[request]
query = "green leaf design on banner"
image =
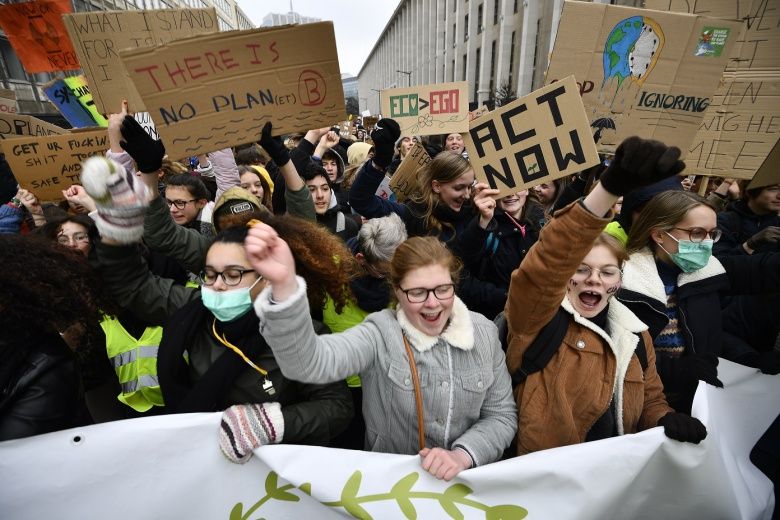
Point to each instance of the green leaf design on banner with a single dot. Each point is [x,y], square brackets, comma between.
[274,491]
[306,488]
[506,512]
[401,492]
[349,500]
[237,512]
[453,494]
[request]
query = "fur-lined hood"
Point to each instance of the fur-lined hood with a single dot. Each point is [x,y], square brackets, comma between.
[640,275]
[459,332]
[623,339]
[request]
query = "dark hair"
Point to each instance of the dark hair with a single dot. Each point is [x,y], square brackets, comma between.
[313,170]
[46,289]
[193,184]
[321,257]
[53,226]
[250,155]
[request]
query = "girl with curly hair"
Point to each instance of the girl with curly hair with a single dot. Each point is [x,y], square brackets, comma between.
[46,289]
[213,355]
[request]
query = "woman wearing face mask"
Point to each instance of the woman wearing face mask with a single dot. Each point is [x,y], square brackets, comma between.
[441,208]
[674,284]
[428,363]
[594,384]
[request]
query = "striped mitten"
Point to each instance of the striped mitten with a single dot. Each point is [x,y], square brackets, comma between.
[120,197]
[245,427]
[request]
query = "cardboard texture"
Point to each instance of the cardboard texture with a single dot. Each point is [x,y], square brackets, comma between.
[769,172]
[38,36]
[8,106]
[640,72]
[47,165]
[538,138]
[442,108]
[17,124]
[742,123]
[98,36]
[73,99]
[404,180]
[210,92]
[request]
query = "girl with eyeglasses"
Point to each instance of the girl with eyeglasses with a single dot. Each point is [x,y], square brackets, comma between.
[582,362]
[433,373]
[675,285]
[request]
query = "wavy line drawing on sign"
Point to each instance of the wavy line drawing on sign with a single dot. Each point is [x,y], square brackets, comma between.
[631,52]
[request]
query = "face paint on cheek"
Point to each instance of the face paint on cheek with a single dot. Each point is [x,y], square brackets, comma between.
[613,289]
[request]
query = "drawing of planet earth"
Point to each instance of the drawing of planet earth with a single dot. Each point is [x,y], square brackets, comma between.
[632,50]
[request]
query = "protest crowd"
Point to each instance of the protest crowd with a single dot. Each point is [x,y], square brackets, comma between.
[282,283]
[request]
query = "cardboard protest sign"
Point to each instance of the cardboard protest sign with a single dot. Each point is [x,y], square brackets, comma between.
[17,124]
[742,123]
[8,105]
[73,99]
[769,172]
[145,120]
[404,180]
[479,112]
[640,72]
[442,108]
[38,36]
[538,138]
[98,36]
[210,92]
[47,165]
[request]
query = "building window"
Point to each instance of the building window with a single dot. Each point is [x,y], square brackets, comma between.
[495,11]
[480,10]
[536,51]
[512,57]
[464,68]
[454,32]
[477,60]
[452,71]
[466,29]
[515,8]
[12,63]
[492,68]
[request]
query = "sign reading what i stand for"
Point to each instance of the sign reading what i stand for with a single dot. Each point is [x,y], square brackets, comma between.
[213,91]
[537,138]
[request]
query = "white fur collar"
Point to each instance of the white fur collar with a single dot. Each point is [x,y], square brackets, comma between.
[640,274]
[459,332]
[623,325]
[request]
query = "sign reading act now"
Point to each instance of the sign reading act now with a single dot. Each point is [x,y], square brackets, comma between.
[537,138]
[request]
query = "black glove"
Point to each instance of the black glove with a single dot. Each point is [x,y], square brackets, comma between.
[147,153]
[683,428]
[766,362]
[274,146]
[640,162]
[768,235]
[703,367]
[386,132]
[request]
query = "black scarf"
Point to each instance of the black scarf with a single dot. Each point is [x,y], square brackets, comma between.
[188,325]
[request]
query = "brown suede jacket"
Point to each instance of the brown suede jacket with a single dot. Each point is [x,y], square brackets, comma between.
[558,405]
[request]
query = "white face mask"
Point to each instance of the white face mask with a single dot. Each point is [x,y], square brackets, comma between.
[228,305]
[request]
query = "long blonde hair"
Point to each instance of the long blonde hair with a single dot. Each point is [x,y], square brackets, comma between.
[445,167]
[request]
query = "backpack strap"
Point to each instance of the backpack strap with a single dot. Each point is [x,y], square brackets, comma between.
[543,347]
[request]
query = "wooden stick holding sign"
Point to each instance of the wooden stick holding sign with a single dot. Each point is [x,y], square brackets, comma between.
[214,91]
[404,180]
[49,164]
[537,138]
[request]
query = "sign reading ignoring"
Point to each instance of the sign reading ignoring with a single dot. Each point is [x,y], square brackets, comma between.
[47,165]
[99,36]
[404,180]
[442,108]
[210,92]
[538,138]
[645,73]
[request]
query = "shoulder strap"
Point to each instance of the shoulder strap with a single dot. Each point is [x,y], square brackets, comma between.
[417,394]
[541,350]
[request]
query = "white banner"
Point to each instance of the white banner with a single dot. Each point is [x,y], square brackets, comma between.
[171,467]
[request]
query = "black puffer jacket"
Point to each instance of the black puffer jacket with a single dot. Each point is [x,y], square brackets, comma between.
[42,392]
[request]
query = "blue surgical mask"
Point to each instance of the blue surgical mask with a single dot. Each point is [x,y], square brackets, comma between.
[228,305]
[691,256]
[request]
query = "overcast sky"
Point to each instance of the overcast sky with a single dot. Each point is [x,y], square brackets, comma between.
[358,23]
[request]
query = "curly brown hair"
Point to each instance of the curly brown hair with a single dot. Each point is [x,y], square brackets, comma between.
[46,288]
[321,258]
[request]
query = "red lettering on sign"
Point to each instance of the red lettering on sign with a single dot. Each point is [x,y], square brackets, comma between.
[311,88]
[228,60]
[149,69]
[444,101]
[193,63]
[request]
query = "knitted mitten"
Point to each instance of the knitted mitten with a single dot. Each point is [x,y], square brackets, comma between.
[245,427]
[120,197]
